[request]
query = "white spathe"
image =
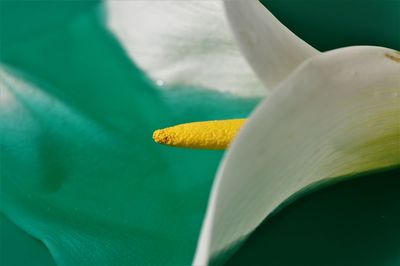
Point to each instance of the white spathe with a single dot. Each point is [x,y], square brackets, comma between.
[271,49]
[338,114]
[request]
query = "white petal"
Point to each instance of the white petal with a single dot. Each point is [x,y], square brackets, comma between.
[338,114]
[272,50]
[185,43]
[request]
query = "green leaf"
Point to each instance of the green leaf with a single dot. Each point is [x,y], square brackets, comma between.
[80,171]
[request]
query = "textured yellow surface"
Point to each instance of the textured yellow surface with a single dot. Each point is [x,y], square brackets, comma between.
[212,135]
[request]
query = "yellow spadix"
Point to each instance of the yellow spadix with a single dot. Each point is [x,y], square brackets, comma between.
[212,135]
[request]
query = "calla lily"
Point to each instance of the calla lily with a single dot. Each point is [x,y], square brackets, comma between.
[341,112]
[109,195]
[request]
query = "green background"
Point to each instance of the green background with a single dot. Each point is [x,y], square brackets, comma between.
[62,47]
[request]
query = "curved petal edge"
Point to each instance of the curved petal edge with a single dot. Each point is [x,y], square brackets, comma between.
[271,49]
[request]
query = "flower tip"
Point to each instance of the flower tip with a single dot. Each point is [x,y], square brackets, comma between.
[161,136]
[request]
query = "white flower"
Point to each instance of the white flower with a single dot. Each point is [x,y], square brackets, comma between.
[330,115]
[79,168]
